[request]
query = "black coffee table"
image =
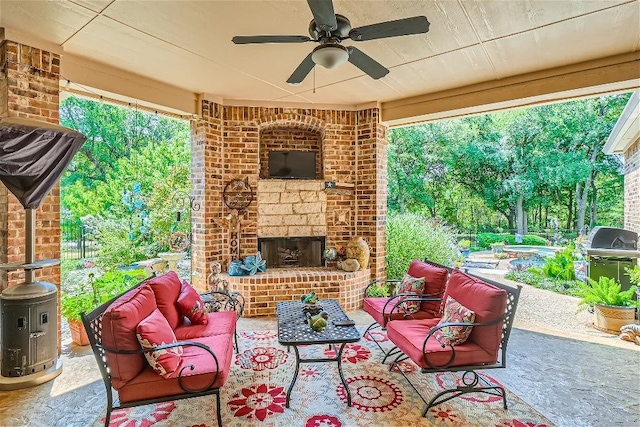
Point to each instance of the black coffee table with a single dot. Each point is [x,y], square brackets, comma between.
[294,330]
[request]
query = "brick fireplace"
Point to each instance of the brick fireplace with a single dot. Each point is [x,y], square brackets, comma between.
[349,149]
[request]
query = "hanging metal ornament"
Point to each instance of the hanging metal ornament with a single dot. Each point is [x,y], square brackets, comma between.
[237,196]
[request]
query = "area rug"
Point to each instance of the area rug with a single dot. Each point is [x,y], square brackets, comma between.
[255,393]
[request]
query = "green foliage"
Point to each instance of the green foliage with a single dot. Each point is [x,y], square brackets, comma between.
[483,172]
[485,240]
[464,244]
[569,287]
[606,291]
[634,274]
[130,179]
[381,289]
[560,266]
[97,290]
[413,236]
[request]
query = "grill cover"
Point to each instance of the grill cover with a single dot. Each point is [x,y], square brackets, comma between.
[33,155]
[613,238]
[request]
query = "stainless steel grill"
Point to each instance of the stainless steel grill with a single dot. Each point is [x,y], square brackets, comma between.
[610,251]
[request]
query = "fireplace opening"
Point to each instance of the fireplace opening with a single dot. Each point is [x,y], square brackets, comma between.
[292,251]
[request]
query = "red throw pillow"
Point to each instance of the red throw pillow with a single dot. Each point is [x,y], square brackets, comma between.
[454,312]
[152,331]
[191,305]
[414,286]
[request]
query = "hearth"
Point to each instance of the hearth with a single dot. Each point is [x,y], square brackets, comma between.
[292,251]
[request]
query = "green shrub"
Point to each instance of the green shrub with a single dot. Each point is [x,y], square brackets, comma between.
[560,266]
[96,290]
[485,240]
[414,236]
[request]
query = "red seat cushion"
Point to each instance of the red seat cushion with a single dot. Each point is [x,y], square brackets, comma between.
[166,289]
[409,336]
[486,301]
[148,384]
[153,331]
[219,323]
[119,323]
[374,307]
[435,280]
[191,305]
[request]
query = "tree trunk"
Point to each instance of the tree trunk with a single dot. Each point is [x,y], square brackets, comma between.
[582,192]
[594,206]
[570,209]
[520,221]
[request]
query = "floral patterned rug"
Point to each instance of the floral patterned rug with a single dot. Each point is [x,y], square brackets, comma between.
[255,393]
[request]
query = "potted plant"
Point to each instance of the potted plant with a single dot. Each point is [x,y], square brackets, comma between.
[464,246]
[613,308]
[91,294]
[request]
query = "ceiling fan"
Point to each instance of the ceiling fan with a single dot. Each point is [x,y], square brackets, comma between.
[329,30]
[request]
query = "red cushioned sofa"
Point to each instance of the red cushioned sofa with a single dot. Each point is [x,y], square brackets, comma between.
[199,354]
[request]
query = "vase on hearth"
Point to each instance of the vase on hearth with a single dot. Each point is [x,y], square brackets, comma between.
[359,250]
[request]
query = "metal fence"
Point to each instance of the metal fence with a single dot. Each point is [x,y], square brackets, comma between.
[77,242]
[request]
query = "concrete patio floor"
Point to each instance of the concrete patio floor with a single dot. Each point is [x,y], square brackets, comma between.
[571,373]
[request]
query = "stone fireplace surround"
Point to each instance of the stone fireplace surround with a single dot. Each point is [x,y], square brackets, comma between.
[228,143]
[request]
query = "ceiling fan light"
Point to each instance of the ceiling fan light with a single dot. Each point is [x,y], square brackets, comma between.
[330,56]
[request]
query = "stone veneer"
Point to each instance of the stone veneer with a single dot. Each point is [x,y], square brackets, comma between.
[29,88]
[264,290]
[291,208]
[632,188]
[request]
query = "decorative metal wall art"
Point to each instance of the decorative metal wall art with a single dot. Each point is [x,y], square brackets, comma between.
[237,196]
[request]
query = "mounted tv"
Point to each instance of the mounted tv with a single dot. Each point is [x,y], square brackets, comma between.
[292,164]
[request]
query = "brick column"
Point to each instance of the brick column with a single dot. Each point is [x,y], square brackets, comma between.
[29,88]
[206,186]
[371,187]
[632,188]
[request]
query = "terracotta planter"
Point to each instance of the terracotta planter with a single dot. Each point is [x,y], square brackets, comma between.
[610,318]
[78,333]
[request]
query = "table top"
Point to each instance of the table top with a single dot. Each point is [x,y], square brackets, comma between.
[294,329]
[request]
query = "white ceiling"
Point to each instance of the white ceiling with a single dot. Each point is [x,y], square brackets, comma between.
[187,44]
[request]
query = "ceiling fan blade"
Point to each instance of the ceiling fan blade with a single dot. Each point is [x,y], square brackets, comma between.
[366,63]
[270,39]
[400,27]
[302,71]
[323,14]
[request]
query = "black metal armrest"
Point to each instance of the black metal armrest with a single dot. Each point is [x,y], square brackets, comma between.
[173,345]
[452,346]
[222,301]
[378,281]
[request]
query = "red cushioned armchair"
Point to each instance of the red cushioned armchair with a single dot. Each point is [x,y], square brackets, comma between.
[383,309]
[494,305]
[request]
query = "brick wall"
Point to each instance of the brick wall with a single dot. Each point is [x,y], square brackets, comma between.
[29,88]
[264,291]
[289,139]
[353,152]
[632,188]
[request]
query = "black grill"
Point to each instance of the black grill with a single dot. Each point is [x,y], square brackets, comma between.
[610,252]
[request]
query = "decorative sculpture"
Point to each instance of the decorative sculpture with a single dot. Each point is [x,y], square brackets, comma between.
[350,265]
[215,283]
[255,264]
[359,250]
[319,321]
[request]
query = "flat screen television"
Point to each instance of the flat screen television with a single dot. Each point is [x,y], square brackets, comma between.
[292,164]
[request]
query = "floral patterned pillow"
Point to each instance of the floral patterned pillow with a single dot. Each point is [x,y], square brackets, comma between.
[191,305]
[454,312]
[414,286]
[153,331]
